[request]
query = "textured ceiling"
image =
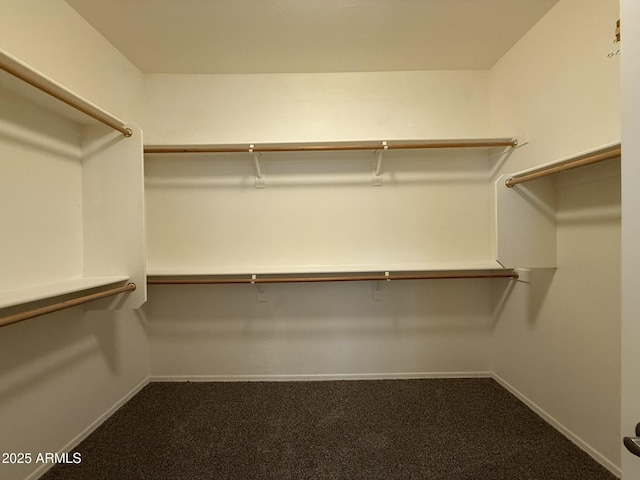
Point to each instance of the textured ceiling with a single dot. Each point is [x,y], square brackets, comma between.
[270,36]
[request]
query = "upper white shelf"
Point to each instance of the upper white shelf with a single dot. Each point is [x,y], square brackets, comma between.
[599,154]
[19,296]
[502,142]
[376,146]
[526,230]
[25,81]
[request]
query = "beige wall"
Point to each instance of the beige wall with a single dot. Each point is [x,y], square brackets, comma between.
[62,373]
[319,331]
[52,38]
[318,213]
[556,88]
[201,109]
[557,340]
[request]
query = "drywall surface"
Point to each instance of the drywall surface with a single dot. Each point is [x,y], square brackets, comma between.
[61,373]
[43,148]
[557,340]
[308,331]
[630,12]
[204,109]
[557,88]
[317,212]
[52,38]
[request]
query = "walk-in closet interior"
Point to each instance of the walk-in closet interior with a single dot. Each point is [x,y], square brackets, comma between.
[290,191]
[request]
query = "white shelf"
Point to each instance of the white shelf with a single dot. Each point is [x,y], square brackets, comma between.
[609,147]
[358,276]
[377,149]
[19,296]
[85,223]
[323,269]
[25,81]
[526,211]
[497,142]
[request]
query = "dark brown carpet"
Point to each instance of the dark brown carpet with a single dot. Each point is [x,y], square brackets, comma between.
[442,429]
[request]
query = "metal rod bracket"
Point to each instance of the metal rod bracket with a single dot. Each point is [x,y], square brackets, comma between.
[256,159]
[261,295]
[524,275]
[377,287]
[377,175]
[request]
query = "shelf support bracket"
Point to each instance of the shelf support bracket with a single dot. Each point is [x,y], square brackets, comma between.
[377,287]
[377,175]
[256,159]
[261,296]
[524,275]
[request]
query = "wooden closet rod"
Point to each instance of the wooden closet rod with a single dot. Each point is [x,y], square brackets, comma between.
[342,278]
[334,147]
[551,169]
[34,78]
[54,307]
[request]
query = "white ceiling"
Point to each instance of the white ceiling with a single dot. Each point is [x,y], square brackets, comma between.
[269,36]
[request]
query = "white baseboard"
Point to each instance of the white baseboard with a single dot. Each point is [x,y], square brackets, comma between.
[597,456]
[316,377]
[87,431]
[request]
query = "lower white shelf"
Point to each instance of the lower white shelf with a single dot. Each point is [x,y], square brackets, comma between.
[319,269]
[185,278]
[19,296]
